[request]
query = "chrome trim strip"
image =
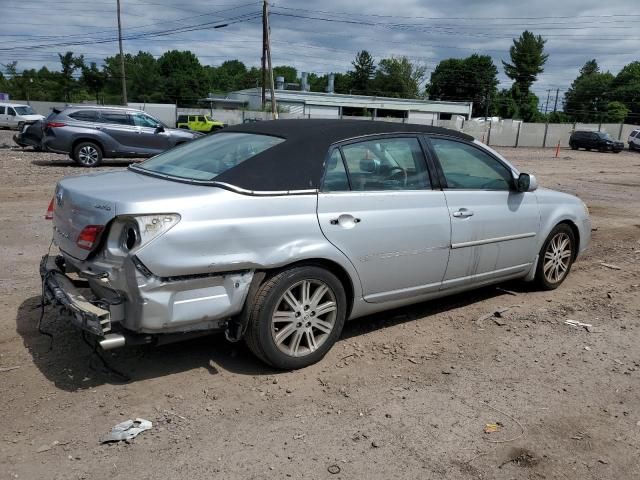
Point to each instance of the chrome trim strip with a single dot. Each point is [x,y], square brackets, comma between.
[226,186]
[493,240]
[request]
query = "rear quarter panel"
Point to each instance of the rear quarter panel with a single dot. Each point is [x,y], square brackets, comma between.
[226,231]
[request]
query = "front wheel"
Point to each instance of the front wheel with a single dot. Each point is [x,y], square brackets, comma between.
[556,257]
[296,317]
[573,146]
[87,154]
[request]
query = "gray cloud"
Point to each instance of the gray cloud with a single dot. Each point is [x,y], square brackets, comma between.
[426,32]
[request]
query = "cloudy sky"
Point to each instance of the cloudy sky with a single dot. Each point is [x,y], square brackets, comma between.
[323,35]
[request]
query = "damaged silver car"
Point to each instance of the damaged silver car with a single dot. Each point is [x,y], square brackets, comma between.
[277,232]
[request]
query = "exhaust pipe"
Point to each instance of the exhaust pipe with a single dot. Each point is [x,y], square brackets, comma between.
[111,341]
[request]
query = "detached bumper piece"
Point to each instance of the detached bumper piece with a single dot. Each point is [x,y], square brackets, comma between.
[59,289]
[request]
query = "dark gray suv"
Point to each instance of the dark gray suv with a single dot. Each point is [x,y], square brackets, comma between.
[90,133]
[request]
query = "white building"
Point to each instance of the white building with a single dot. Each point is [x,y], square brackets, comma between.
[336,105]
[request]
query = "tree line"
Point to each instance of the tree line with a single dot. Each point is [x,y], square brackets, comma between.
[179,77]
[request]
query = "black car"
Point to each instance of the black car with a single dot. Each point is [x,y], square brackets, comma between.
[595,141]
[30,135]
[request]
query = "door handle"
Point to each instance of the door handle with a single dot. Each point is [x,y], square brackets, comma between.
[345,220]
[463,213]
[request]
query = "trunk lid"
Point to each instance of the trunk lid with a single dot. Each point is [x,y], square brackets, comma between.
[98,198]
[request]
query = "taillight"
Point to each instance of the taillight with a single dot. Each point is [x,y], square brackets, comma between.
[89,236]
[54,124]
[49,214]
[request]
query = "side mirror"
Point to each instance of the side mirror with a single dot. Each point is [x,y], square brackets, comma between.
[159,129]
[526,183]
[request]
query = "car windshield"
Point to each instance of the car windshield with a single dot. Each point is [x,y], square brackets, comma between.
[606,136]
[25,110]
[210,156]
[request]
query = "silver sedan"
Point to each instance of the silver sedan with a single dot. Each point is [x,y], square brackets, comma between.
[278,232]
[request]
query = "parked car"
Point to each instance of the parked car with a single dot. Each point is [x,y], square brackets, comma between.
[14,116]
[199,123]
[90,133]
[634,140]
[280,231]
[595,141]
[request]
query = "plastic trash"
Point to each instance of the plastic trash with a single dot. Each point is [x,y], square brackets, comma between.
[127,430]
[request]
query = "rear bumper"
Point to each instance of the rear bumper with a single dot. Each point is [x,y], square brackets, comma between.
[60,290]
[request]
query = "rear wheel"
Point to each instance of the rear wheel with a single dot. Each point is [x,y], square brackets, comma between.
[296,317]
[573,146]
[87,154]
[556,257]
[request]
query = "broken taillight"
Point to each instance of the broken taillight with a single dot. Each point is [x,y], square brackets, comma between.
[89,236]
[49,214]
[54,124]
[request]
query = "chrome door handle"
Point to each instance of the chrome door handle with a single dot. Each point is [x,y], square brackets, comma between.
[463,213]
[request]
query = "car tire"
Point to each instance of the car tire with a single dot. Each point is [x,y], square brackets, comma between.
[573,146]
[284,330]
[556,257]
[87,154]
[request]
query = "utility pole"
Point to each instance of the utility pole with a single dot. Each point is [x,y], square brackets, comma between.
[122,74]
[264,53]
[274,107]
[487,101]
[555,105]
[546,105]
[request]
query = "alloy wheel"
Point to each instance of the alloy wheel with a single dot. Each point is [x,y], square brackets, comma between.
[88,155]
[304,317]
[557,258]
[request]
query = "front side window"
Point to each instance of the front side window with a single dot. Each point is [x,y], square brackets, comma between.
[467,167]
[210,156]
[335,175]
[142,120]
[386,164]
[11,112]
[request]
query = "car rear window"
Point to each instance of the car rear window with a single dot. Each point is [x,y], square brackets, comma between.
[210,156]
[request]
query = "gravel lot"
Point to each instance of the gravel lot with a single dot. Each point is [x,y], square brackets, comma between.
[404,394]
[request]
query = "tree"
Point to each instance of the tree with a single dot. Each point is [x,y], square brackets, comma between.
[94,79]
[625,88]
[290,74]
[398,77]
[69,64]
[587,100]
[616,112]
[474,78]
[184,78]
[363,71]
[527,60]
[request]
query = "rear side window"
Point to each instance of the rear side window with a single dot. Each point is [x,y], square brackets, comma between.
[115,117]
[467,167]
[85,115]
[2,110]
[386,164]
[206,158]
[182,119]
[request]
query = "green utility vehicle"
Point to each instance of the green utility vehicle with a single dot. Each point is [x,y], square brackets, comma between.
[198,123]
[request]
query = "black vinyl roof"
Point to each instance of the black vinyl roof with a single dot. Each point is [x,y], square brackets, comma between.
[297,163]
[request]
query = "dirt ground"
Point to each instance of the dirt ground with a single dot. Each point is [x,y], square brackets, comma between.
[405,394]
